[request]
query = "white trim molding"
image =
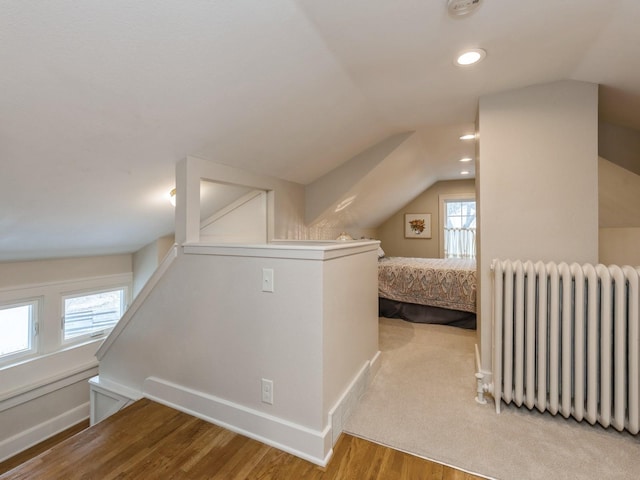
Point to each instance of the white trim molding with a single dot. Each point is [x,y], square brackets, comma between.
[38,433]
[138,301]
[31,392]
[343,409]
[312,445]
[290,437]
[108,397]
[291,249]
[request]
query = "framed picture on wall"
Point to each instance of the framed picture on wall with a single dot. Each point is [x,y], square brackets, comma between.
[417,225]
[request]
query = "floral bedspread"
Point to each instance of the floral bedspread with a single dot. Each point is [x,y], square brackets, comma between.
[437,282]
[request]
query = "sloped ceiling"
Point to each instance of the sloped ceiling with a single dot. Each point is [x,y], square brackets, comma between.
[99,100]
[366,190]
[620,145]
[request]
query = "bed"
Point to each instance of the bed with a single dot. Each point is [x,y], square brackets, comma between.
[428,290]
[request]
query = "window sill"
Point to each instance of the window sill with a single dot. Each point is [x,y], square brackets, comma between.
[42,374]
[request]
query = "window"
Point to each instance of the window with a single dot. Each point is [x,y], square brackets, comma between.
[458,223]
[50,329]
[92,314]
[18,324]
[461,214]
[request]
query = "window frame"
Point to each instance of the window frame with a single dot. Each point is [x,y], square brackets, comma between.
[34,327]
[100,335]
[452,197]
[50,311]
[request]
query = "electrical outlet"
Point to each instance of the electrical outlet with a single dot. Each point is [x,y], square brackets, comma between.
[267,391]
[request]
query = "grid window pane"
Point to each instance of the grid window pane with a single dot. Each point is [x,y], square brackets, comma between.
[460,229]
[453,208]
[16,325]
[92,314]
[461,214]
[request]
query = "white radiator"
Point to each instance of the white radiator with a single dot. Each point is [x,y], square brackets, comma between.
[566,340]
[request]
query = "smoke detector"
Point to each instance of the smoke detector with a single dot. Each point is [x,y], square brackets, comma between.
[458,8]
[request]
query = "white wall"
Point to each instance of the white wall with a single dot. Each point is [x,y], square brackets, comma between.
[619,214]
[146,260]
[620,246]
[619,196]
[164,245]
[350,322]
[332,233]
[244,221]
[285,200]
[46,415]
[366,190]
[391,232]
[537,180]
[620,145]
[44,395]
[209,331]
[322,195]
[14,274]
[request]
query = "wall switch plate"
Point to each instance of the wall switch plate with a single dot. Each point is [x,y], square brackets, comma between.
[267,279]
[267,391]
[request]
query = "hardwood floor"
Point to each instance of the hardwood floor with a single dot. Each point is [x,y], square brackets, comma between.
[150,441]
[41,447]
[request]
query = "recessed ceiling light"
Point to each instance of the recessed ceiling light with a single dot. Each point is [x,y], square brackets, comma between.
[470,57]
[464,172]
[468,136]
[466,159]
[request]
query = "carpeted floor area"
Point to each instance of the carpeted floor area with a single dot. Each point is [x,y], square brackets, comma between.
[422,401]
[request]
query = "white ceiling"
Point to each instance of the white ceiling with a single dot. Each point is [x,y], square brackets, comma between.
[99,100]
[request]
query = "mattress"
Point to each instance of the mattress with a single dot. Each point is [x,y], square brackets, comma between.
[446,283]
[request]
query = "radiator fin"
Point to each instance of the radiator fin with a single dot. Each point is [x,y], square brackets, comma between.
[567,340]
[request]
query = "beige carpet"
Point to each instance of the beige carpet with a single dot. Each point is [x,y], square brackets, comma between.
[422,401]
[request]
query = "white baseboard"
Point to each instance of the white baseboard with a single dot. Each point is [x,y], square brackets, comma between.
[38,433]
[343,408]
[301,441]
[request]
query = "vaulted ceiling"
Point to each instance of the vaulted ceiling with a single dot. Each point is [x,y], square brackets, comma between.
[99,100]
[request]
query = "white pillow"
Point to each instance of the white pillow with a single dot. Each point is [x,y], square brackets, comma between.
[380,252]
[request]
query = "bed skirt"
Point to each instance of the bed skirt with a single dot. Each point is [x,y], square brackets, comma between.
[425,314]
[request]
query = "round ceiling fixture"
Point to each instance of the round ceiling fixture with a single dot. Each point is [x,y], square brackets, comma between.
[470,57]
[458,8]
